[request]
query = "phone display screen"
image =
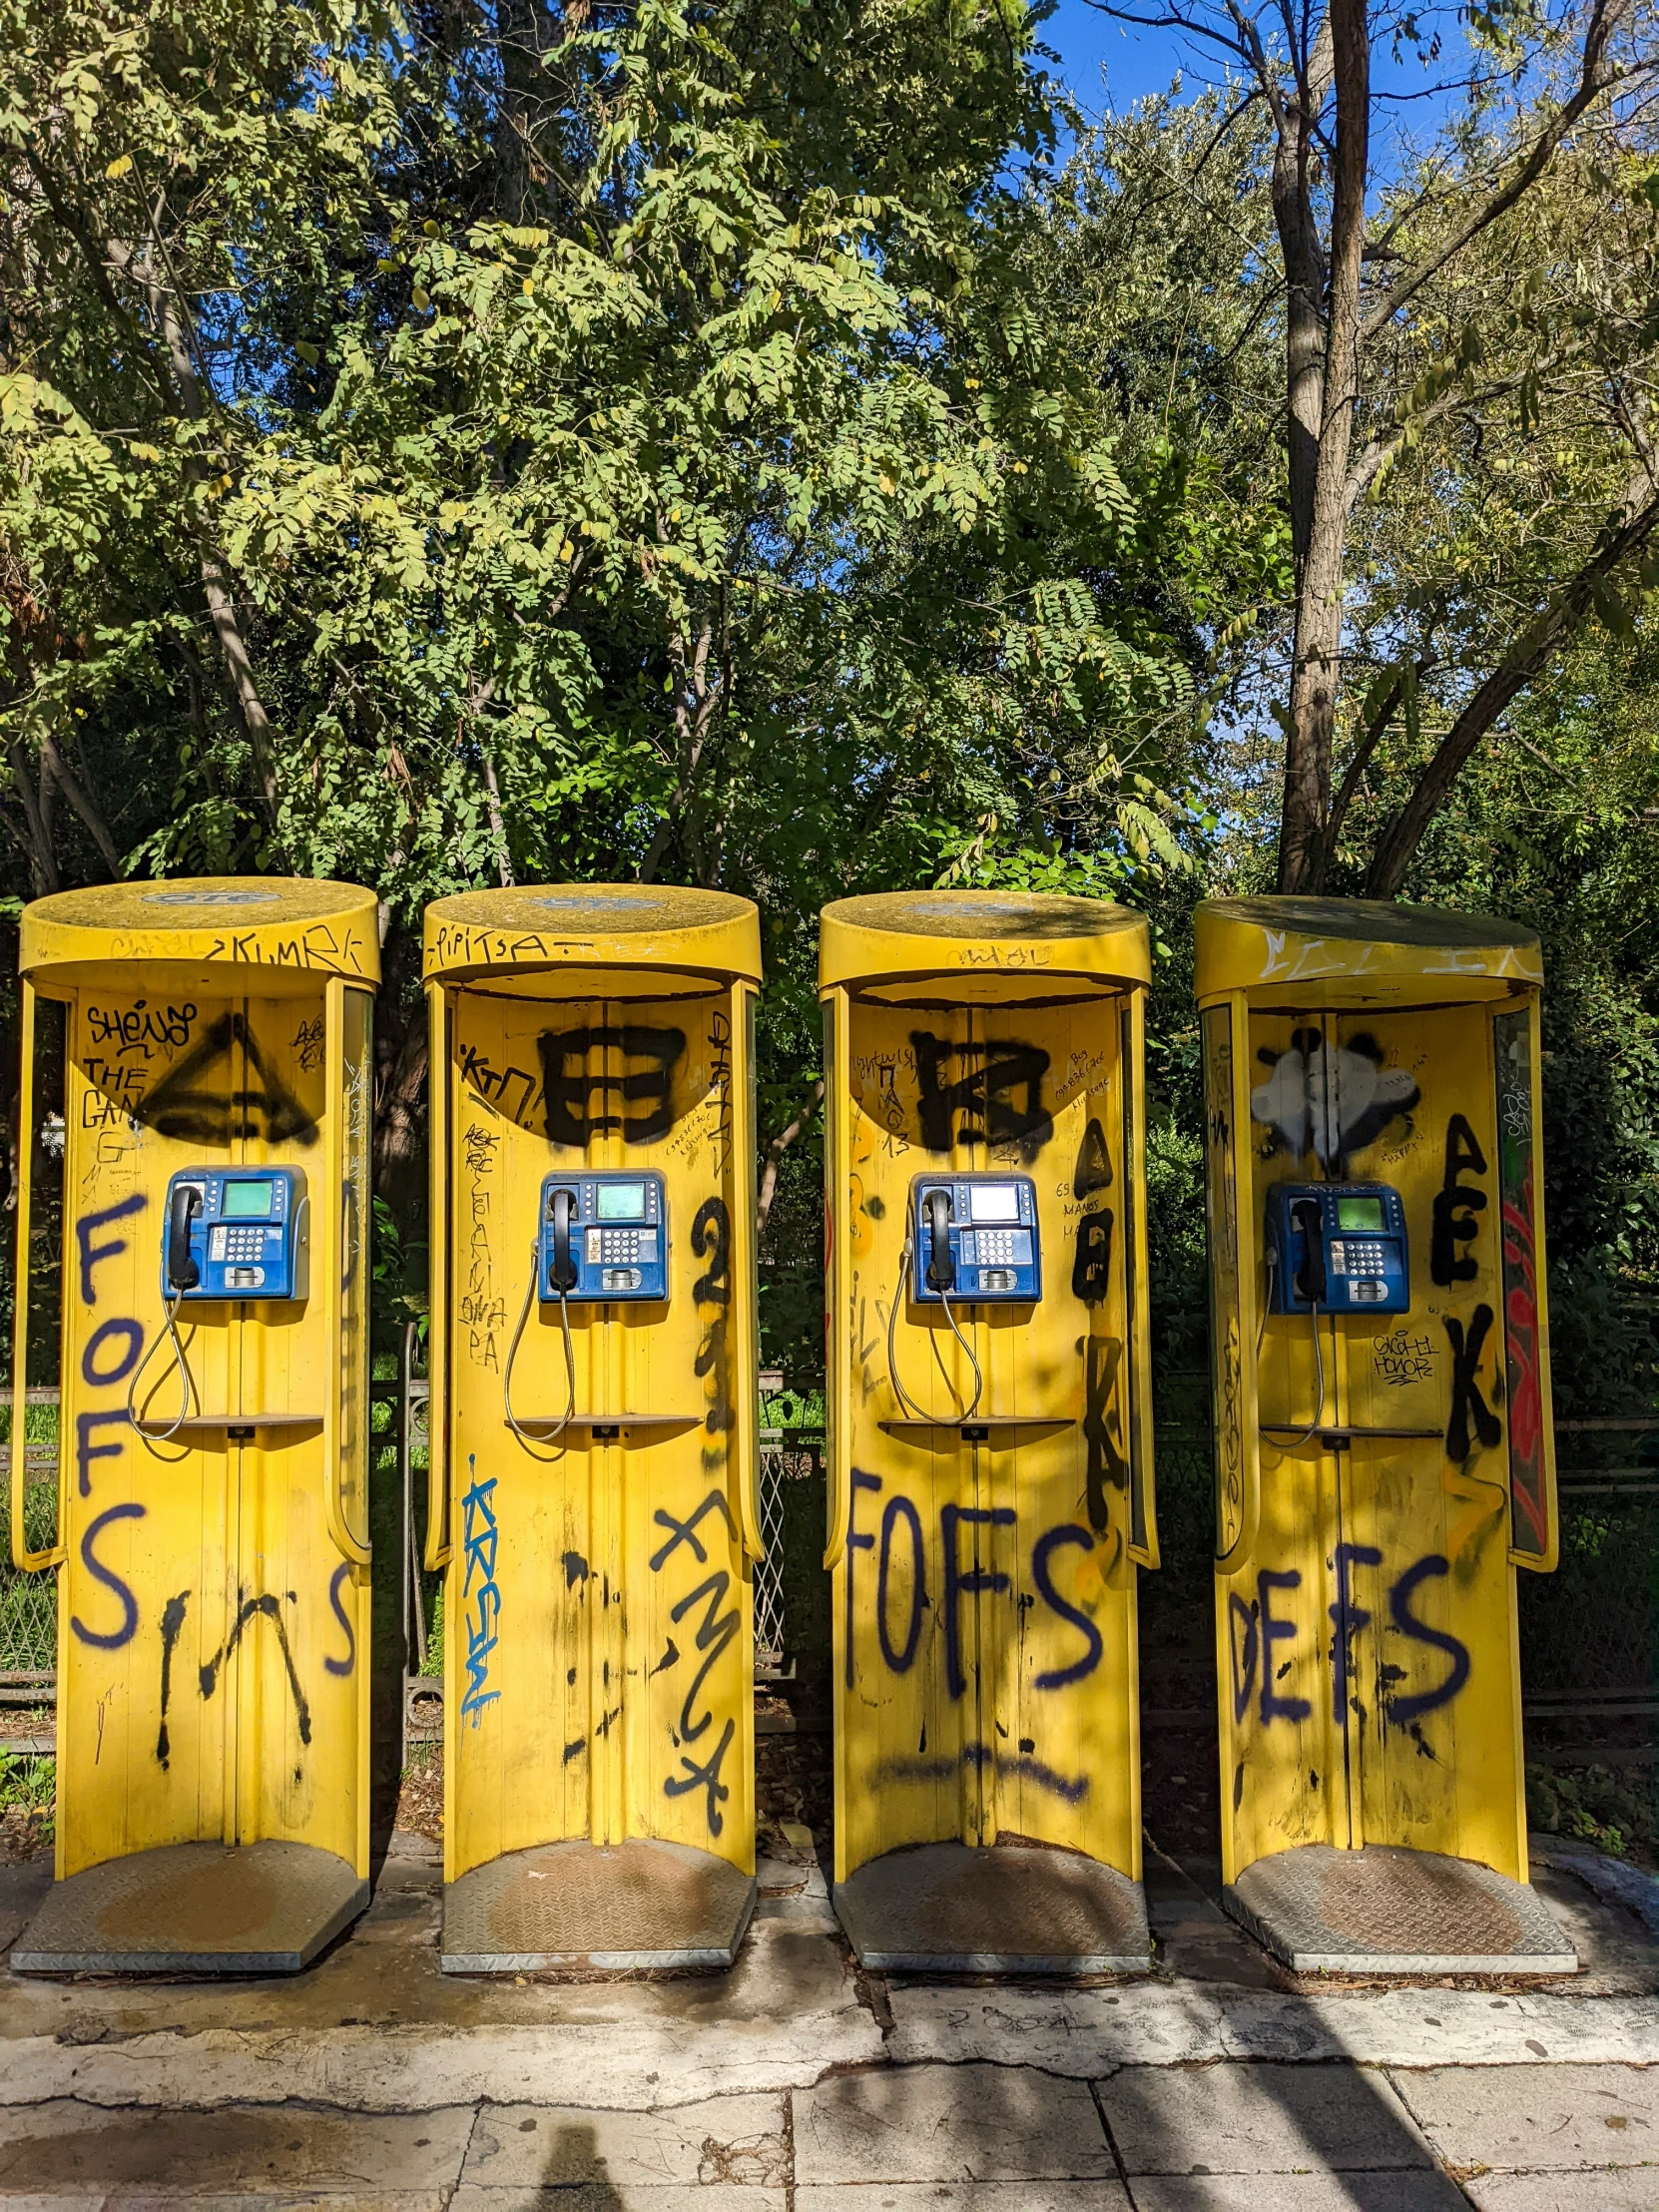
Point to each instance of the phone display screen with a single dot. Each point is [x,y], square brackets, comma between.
[1360,1213]
[621,1202]
[245,1201]
[994,1201]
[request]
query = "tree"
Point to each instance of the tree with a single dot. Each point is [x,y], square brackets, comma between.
[1388,343]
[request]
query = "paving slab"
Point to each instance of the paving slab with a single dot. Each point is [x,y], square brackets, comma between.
[161,2200]
[1252,2119]
[1090,2032]
[737,2139]
[604,2196]
[1326,2192]
[1626,2189]
[966,2196]
[1537,2118]
[69,2147]
[948,2123]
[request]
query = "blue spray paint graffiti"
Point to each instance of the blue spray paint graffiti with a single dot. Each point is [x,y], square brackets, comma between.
[117,1637]
[1251,1652]
[478,1541]
[714,1632]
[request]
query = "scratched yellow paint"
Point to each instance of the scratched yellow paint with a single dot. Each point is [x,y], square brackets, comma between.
[599,1668]
[212,1632]
[1366,1597]
[984,1592]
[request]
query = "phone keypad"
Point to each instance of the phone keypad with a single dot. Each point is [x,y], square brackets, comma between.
[1356,1258]
[236,1246]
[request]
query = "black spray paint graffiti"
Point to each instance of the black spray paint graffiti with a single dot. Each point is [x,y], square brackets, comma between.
[997,1100]
[1105,1467]
[643,1091]
[187,1102]
[141,1027]
[1071,1789]
[711,1240]
[1335,1098]
[1467,1401]
[249,1610]
[1456,1206]
[1254,1630]
[714,1631]
[1091,1267]
[1093,1171]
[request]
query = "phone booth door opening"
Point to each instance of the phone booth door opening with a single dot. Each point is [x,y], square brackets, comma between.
[212,1545]
[990,1436]
[1384,1457]
[594,1421]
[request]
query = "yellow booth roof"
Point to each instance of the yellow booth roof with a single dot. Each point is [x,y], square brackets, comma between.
[998,943]
[642,927]
[269,935]
[1357,952]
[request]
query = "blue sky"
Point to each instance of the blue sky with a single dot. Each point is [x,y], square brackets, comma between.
[1112,65]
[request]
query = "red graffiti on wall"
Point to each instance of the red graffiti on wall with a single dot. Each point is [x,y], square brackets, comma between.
[1520,1329]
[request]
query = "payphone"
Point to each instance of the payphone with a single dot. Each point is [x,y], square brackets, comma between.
[594,1493]
[1380,1352]
[975,1237]
[213,1534]
[990,1426]
[1338,1248]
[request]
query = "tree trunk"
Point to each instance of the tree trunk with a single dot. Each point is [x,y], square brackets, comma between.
[1317,672]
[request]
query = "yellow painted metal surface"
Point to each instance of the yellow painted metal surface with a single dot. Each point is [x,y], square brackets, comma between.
[598,1665]
[1368,1669]
[985,1589]
[214,1624]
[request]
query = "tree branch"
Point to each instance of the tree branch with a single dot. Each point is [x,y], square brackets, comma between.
[1632,523]
[776,1150]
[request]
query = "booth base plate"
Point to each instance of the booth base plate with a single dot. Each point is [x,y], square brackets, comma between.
[1007,1908]
[612,1907]
[266,1908]
[1382,1909]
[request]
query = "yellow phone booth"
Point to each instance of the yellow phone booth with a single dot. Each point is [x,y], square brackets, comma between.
[990,1427]
[594,1421]
[1384,1454]
[212,1548]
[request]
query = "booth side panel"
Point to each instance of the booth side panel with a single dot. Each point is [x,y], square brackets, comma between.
[1434,1703]
[985,1606]
[300,1619]
[598,1600]
[147,1596]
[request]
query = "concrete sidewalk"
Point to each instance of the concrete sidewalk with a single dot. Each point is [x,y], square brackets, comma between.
[794,2082]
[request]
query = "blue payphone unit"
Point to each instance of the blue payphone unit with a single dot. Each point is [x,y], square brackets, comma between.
[602,1237]
[1340,1248]
[235,1233]
[974,1237]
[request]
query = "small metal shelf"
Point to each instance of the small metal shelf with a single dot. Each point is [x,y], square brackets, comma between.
[1340,1433]
[652,1426]
[233,1424]
[978,1430]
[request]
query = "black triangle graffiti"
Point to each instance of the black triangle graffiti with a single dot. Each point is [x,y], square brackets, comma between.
[185,1102]
[1093,1171]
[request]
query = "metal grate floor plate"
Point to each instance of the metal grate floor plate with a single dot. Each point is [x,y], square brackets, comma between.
[266,1908]
[1382,1909]
[611,1907]
[1008,1908]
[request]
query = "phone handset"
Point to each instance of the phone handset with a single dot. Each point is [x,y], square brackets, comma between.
[563,1264]
[931,1218]
[1309,1282]
[1309,1277]
[182,1272]
[941,1267]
